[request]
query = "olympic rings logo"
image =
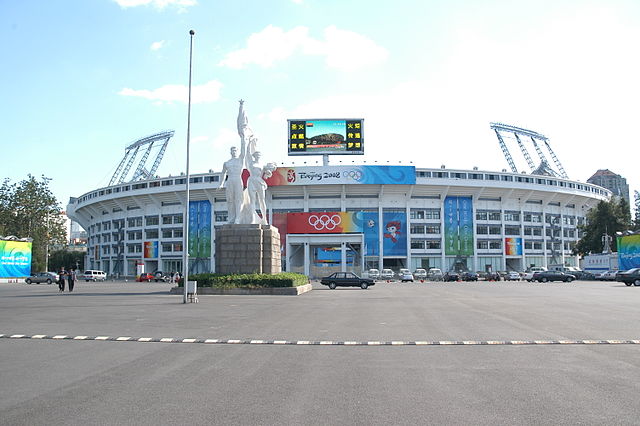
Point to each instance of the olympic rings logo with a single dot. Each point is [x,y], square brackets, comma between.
[354,174]
[325,221]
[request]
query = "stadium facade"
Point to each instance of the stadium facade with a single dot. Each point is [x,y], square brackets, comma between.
[354,218]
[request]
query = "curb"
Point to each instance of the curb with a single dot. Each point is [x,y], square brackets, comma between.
[271,291]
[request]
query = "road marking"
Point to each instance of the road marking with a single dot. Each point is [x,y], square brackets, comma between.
[329,342]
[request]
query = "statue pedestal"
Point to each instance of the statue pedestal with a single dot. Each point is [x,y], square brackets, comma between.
[247,249]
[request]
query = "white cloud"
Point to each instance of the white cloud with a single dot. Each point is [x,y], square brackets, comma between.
[159,4]
[273,44]
[205,93]
[157,45]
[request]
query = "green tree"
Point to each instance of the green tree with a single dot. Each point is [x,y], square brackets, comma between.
[29,209]
[67,259]
[607,217]
[636,218]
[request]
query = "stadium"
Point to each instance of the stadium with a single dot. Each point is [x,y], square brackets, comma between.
[353,218]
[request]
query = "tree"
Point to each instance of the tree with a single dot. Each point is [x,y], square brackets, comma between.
[29,209]
[607,217]
[636,219]
[66,259]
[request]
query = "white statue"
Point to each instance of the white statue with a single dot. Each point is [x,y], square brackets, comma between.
[242,205]
[256,186]
[233,168]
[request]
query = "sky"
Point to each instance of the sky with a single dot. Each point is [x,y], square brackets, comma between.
[83,79]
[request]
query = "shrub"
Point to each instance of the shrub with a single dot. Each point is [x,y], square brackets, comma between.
[283,279]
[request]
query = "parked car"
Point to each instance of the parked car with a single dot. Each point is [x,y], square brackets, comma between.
[145,277]
[42,277]
[469,276]
[435,274]
[609,275]
[544,276]
[420,274]
[513,276]
[346,279]
[451,276]
[374,274]
[528,274]
[387,274]
[160,276]
[632,276]
[93,275]
[405,275]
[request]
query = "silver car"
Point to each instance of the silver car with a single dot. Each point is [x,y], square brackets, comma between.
[42,277]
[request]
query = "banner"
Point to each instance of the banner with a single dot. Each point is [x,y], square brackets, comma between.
[513,246]
[328,175]
[200,229]
[395,234]
[458,226]
[150,249]
[628,252]
[15,259]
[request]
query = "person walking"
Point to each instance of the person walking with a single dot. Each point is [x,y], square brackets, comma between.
[71,277]
[61,277]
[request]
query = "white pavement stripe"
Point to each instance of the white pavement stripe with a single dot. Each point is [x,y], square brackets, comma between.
[36,336]
[17,336]
[166,340]
[257,342]
[123,339]
[80,337]
[102,338]
[373,343]
[145,339]
[188,340]
[211,341]
[279,342]
[302,342]
[60,336]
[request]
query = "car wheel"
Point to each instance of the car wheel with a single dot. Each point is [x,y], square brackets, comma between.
[332,286]
[569,279]
[544,280]
[28,281]
[629,284]
[636,283]
[48,281]
[364,286]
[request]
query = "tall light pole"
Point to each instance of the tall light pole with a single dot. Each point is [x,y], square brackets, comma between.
[185,232]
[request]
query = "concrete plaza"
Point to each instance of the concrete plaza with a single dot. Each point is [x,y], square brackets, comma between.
[345,356]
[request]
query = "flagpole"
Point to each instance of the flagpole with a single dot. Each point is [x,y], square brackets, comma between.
[185,232]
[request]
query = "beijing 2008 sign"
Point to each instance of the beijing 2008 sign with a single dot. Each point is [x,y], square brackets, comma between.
[326,136]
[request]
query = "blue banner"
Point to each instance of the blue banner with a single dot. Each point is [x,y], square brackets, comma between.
[200,229]
[395,234]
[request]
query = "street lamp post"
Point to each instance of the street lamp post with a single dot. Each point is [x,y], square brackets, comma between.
[185,233]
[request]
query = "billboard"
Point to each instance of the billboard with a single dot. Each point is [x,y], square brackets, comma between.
[200,229]
[15,259]
[458,226]
[629,252]
[513,246]
[329,175]
[394,236]
[326,136]
[150,249]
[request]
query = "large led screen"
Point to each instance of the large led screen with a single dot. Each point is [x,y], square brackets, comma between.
[326,136]
[15,259]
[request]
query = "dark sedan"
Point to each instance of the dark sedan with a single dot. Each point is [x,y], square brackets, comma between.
[469,276]
[346,279]
[545,276]
[451,276]
[632,276]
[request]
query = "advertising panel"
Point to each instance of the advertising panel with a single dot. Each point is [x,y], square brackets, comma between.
[327,175]
[200,229]
[513,246]
[338,223]
[394,242]
[326,136]
[332,256]
[150,249]
[629,252]
[458,226]
[15,259]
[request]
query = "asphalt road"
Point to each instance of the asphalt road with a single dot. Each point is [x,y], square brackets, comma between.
[73,382]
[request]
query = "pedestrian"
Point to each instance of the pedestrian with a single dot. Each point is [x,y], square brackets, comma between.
[61,278]
[71,277]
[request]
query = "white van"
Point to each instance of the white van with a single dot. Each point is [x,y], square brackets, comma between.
[93,275]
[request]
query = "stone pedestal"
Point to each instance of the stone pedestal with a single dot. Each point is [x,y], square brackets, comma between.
[247,249]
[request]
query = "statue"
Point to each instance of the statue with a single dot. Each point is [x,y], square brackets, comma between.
[242,205]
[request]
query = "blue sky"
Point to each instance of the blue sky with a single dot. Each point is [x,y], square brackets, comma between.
[82,79]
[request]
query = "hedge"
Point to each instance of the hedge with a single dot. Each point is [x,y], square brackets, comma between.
[284,279]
